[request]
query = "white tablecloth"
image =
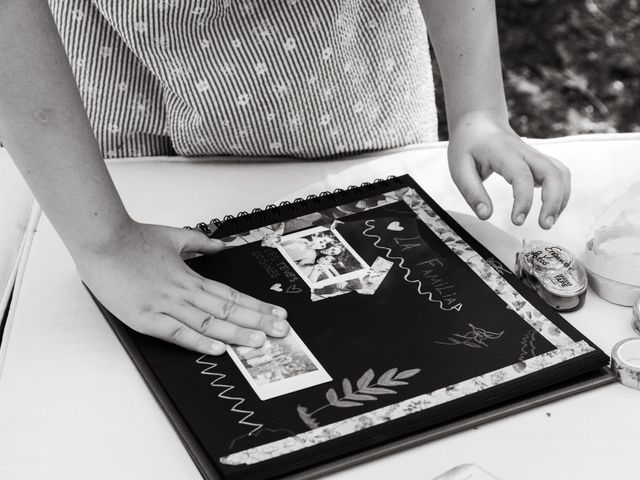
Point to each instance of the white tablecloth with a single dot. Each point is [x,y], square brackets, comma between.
[73,406]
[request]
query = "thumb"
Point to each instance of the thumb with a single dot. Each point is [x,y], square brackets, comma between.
[466,177]
[194,241]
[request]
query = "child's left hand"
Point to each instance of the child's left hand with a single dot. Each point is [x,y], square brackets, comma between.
[482,142]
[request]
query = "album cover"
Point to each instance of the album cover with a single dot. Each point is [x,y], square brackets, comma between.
[401,322]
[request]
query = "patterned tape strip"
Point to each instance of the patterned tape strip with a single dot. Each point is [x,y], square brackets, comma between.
[636,316]
[625,361]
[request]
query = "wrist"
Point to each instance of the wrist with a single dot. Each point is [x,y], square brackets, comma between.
[498,116]
[100,237]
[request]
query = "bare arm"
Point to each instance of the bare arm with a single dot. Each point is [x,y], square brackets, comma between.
[44,126]
[464,35]
[134,269]
[465,39]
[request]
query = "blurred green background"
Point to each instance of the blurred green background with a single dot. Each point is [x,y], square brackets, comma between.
[569,66]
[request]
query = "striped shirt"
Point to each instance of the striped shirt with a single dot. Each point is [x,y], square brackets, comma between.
[302,78]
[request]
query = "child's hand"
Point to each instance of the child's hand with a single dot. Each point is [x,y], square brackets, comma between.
[482,142]
[141,279]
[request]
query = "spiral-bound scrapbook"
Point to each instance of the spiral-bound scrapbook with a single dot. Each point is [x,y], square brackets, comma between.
[404,328]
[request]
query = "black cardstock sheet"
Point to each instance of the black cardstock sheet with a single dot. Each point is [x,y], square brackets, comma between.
[431,324]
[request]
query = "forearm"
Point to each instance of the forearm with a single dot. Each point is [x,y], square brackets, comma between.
[45,128]
[465,39]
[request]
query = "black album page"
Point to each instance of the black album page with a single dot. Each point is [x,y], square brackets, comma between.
[400,321]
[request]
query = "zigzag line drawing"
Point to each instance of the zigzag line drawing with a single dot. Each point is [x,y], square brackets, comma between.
[428,294]
[527,341]
[218,377]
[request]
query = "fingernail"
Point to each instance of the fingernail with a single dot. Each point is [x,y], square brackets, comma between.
[279,312]
[482,209]
[217,348]
[520,219]
[280,326]
[549,221]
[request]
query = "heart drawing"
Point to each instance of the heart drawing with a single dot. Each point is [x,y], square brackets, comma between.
[277,287]
[395,226]
[293,289]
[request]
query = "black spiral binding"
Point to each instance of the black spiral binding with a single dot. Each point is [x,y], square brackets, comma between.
[322,200]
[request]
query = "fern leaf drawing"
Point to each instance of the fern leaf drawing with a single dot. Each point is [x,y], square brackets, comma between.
[407,374]
[365,379]
[377,390]
[346,403]
[332,396]
[365,392]
[346,387]
[387,376]
[361,397]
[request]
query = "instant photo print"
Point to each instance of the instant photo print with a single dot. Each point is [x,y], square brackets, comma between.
[404,329]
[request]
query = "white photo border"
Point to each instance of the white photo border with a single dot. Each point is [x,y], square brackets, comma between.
[565,347]
[361,272]
[286,385]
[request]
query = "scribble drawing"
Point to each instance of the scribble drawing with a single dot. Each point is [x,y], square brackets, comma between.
[527,345]
[365,392]
[370,226]
[259,432]
[474,338]
[218,378]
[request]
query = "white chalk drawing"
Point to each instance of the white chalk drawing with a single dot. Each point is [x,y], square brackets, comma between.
[428,294]
[225,388]
[293,288]
[395,226]
[566,348]
[260,432]
[365,392]
[485,270]
[475,338]
[401,409]
[527,345]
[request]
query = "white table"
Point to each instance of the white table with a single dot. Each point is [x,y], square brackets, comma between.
[73,406]
[16,207]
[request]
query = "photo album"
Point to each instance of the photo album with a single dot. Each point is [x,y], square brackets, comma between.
[401,324]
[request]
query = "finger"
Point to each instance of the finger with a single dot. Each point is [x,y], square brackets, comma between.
[208,325]
[465,175]
[232,295]
[227,309]
[518,174]
[167,328]
[552,197]
[566,182]
[194,241]
[551,179]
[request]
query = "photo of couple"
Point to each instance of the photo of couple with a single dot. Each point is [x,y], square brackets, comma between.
[321,256]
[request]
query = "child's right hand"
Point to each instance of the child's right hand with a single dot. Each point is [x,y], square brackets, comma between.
[141,279]
[137,273]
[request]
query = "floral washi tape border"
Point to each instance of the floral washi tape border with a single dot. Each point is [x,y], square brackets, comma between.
[398,410]
[566,348]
